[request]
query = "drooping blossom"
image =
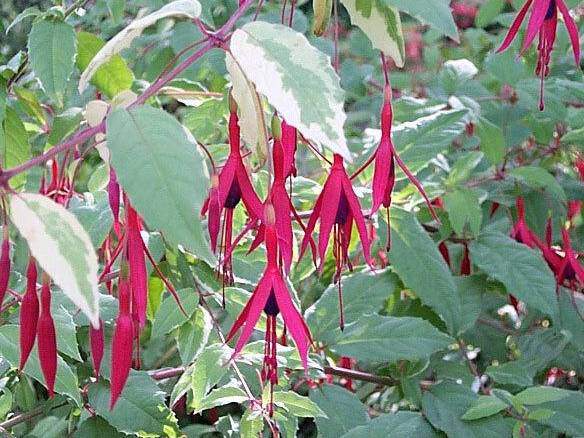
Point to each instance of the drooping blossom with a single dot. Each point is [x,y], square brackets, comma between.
[96,341]
[521,231]
[283,167]
[271,296]
[385,158]
[543,21]
[337,208]
[4,263]
[231,186]
[465,264]
[122,340]
[137,264]
[571,270]
[29,314]
[46,339]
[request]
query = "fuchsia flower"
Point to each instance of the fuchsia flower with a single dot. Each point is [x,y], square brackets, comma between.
[232,185]
[272,297]
[4,263]
[521,231]
[96,342]
[337,207]
[543,21]
[570,270]
[384,172]
[283,166]
[29,314]
[289,143]
[122,340]
[137,263]
[46,339]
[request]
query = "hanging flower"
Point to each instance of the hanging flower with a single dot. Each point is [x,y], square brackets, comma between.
[232,186]
[385,158]
[543,21]
[337,207]
[46,339]
[29,314]
[271,296]
[283,167]
[521,231]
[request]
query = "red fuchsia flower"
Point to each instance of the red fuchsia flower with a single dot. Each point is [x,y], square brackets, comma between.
[575,207]
[4,263]
[444,251]
[385,159]
[337,207]
[233,185]
[29,314]
[543,21]
[283,166]
[113,190]
[464,14]
[571,270]
[122,341]
[347,363]
[137,264]
[46,339]
[289,143]
[97,343]
[272,297]
[465,265]
[521,231]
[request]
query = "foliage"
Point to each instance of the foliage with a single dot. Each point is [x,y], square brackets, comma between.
[467,320]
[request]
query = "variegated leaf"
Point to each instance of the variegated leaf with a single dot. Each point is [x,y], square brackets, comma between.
[179,8]
[61,246]
[296,78]
[251,118]
[381,24]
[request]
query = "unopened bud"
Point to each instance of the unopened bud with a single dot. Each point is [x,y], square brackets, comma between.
[232,102]
[322,14]
[276,127]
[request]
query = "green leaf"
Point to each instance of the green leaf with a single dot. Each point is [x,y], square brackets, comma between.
[252,424]
[180,8]
[381,24]
[484,406]
[437,14]
[32,11]
[518,373]
[111,78]
[296,78]
[169,315]
[194,335]
[464,211]
[163,173]
[377,338]
[398,425]
[61,247]
[14,145]
[571,307]
[523,271]
[444,405]
[96,427]
[363,293]
[223,396]
[421,140]
[66,381]
[140,409]
[65,328]
[538,178]
[297,405]
[463,167]
[488,11]
[537,395]
[51,50]
[202,375]
[94,213]
[567,414]
[417,261]
[492,140]
[575,136]
[343,410]
[50,427]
